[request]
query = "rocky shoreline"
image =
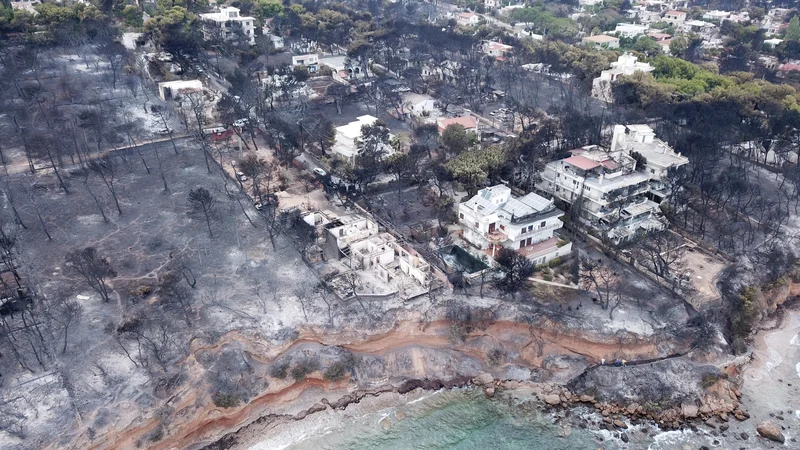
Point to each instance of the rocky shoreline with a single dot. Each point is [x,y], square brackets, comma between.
[712,411]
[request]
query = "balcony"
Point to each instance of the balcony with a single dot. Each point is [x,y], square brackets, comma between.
[552,226]
[496,236]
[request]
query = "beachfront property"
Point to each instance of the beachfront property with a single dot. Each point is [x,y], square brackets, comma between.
[494,218]
[357,242]
[607,191]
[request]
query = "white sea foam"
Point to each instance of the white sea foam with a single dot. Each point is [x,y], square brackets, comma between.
[668,439]
[775,360]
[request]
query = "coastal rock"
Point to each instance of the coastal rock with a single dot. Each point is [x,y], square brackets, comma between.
[771,431]
[587,399]
[489,391]
[552,399]
[484,379]
[620,424]
[689,410]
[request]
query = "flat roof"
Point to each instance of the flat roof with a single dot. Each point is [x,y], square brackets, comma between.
[641,208]
[611,183]
[353,129]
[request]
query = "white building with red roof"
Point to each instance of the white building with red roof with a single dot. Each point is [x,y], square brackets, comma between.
[468,122]
[468,18]
[612,193]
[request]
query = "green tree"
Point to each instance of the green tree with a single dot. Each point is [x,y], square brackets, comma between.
[133,16]
[647,45]
[678,46]
[455,139]
[372,147]
[265,9]
[474,168]
[793,30]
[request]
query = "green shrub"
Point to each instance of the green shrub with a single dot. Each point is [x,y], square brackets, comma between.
[555,262]
[224,400]
[304,368]
[709,379]
[336,371]
[279,370]
[495,357]
[547,277]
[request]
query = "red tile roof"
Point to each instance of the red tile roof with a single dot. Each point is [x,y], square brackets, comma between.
[610,164]
[467,122]
[581,162]
[789,67]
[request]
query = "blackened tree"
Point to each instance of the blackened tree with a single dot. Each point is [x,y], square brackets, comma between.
[202,203]
[515,267]
[95,269]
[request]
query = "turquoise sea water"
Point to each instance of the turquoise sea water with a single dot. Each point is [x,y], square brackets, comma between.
[457,419]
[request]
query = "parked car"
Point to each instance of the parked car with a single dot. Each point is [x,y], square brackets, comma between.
[241,176]
[240,123]
[164,131]
[320,172]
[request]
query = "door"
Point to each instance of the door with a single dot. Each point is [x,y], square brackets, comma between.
[491,228]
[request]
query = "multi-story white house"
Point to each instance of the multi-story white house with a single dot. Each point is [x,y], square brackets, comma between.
[345,144]
[627,64]
[223,24]
[605,188]
[630,30]
[309,61]
[493,219]
[674,18]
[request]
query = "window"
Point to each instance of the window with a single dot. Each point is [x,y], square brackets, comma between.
[543,224]
[460,215]
[502,227]
[652,171]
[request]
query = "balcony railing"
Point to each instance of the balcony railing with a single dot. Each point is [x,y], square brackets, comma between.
[552,226]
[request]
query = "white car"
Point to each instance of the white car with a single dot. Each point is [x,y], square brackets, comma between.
[240,123]
[241,176]
[164,131]
[319,172]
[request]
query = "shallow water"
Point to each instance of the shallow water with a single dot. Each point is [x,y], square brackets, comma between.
[456,419]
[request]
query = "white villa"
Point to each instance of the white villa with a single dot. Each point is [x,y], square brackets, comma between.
[222,22]
[346,135]
[627,64]
[494,218]
[614,195]
[630,30]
